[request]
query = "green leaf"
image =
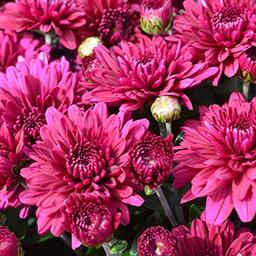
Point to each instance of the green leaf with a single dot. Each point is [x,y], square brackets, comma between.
[194,212]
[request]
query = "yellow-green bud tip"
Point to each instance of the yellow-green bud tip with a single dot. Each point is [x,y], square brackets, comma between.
[247,77]
[86,47]
[166,109]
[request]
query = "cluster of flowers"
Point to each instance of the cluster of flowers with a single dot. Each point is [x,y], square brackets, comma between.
[63,153]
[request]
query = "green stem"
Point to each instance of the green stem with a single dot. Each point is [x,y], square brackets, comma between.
[107,250]
[165,129]
[246,88]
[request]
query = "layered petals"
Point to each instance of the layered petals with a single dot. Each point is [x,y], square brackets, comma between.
[132,75]
[217,156]
[89,155]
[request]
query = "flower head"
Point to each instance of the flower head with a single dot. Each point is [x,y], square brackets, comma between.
[218,31]
[133,75]
[91,222]
[110,20]
[89,154]
[156,16]
[155,241]
[151,159]
[217,155]
[64,18]
[28,89]
[199,240]
[9,244]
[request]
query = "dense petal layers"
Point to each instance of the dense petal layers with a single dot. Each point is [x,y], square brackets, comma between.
[64,18]
[133,75]
[200,240]
[151,159]
[28,89]
[10,245]
[218,31]
[90,221]
[89,154]
[217,156]
[110,20]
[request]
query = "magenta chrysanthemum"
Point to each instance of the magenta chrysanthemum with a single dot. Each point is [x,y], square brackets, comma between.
[110,20]
[64,18]
[12,160]
[151,159]
[217,155]
[218,30]
[134,75]
[200,240]
[155,241]
[89,154]
[16,48]
[90,221]
[9,244]
[27,90]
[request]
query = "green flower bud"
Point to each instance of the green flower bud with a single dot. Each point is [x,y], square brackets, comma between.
[166,109]
[86,47]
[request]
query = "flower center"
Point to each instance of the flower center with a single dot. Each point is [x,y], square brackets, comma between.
[85,163]
[112,25]
[240,132]
[146,58]
[30,122]
[228,20]
[251,53]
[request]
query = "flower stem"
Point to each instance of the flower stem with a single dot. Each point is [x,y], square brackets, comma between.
[166,206]
[246,88]
[48,38]
[108,251]
[165,129]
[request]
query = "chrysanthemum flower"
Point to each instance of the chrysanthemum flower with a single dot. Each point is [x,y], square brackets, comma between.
[89,154]
[62,17]
[14,48]
[151,159]
[9,244]
[218,30]
[155,241]
[200,240]
[12,160]
[134,75]
[217,155]
[90,221]
[110,20]
[27,90]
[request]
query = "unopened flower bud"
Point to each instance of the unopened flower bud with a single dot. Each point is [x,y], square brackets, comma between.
[86,47]
[9,243]
[247,63]
[155,241]
[156,16]
[166,109]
